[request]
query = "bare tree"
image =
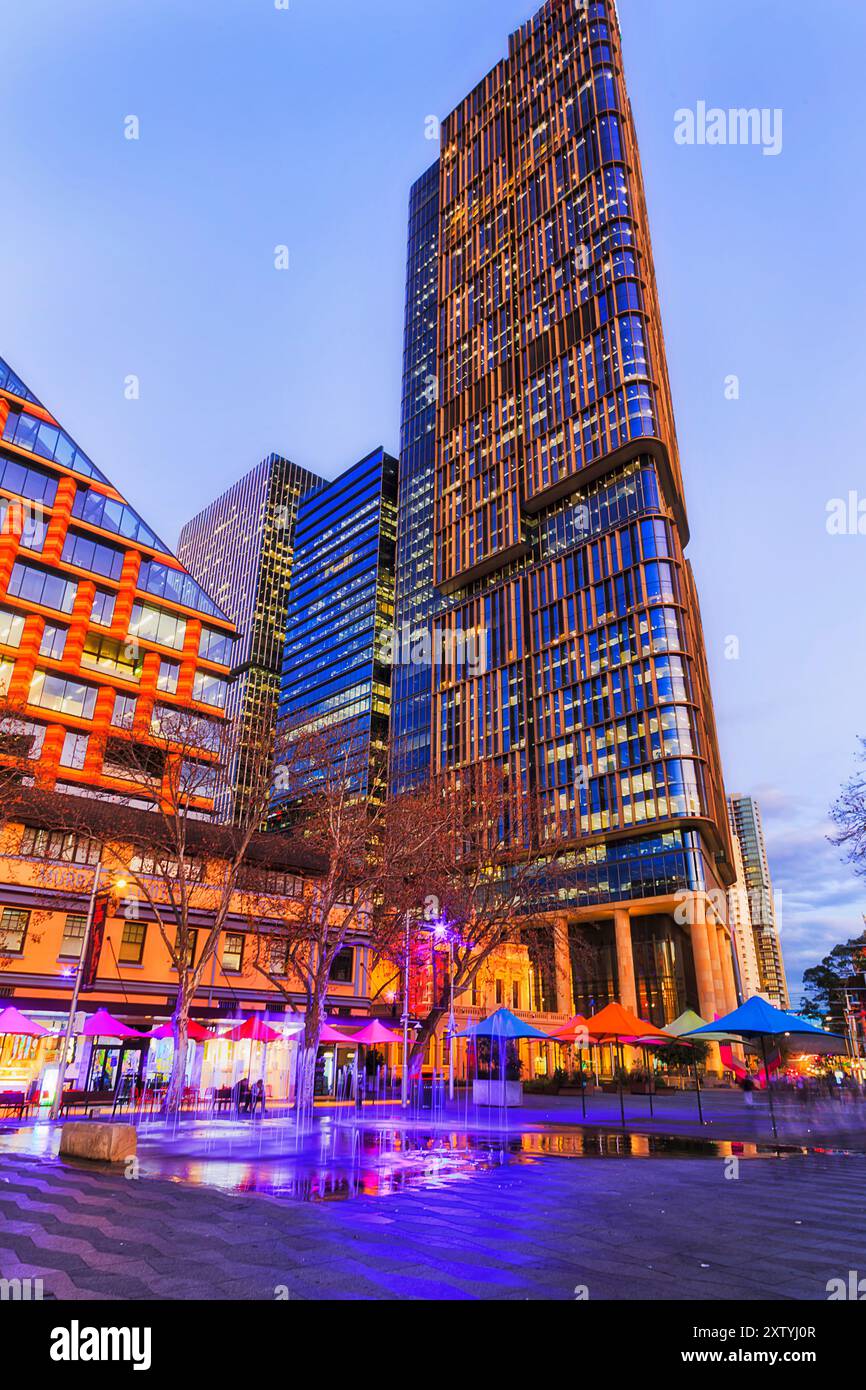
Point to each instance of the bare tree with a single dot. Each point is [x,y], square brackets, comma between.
[849,816]
[184,865]
[375,852]
[492,880]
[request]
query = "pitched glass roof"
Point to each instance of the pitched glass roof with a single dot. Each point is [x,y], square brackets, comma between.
[53,443]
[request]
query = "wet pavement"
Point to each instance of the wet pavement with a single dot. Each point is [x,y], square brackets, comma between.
[535,1228]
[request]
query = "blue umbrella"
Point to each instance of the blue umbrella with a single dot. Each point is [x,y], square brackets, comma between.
[503,1024]
[758,1019]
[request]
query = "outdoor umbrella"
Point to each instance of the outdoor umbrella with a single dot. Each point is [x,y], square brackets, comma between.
[102,1025]
[758,1020]
[194,1031]
[14,1024]
[253,1029]
[576,1034]
[506,1027]
[372,1033]
[330,1034]
[503,1024]
[688,1022]
[616,1024]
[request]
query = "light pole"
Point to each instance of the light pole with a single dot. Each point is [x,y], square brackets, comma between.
[56,1103]
[404,1079]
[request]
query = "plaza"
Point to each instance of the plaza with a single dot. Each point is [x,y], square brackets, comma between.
[373,1210]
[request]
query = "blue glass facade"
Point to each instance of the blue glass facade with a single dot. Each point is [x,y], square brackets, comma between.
[416,599]
[341,603]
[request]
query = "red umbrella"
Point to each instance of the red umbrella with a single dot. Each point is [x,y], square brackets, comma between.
[575,1031]
[102,1025]
[253,1029]
[14,1024]
[194,1031]
[374,1032]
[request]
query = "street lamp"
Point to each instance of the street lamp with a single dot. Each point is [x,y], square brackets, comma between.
[119,883]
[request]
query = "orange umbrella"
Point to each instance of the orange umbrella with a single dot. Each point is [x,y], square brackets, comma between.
[615,1024]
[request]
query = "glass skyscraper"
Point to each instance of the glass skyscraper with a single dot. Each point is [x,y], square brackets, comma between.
[240,547]
[416,599]
[554,521]
[335,676]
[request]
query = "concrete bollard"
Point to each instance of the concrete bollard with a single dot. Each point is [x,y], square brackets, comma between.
[98,1140]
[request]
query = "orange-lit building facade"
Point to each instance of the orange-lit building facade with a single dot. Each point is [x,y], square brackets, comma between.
[100,625]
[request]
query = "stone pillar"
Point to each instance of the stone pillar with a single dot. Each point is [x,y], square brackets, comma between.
[703,964]
[625,959]
[562,968]
[716,960]
[725,947]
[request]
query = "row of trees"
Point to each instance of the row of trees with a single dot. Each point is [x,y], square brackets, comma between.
[376,866]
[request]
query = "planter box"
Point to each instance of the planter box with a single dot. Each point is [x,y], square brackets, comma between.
[497,1092]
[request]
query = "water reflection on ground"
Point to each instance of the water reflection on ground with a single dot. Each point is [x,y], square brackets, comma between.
[338,1159]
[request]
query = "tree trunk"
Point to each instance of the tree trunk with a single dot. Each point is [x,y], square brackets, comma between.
[315,1022]
[180,1031]
[425,1033]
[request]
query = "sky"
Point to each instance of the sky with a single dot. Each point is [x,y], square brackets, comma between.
[303,127]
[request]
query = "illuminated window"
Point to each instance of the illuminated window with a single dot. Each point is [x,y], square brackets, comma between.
[132,943]
[73,935]
[13,930]
[233,952]
[66,696]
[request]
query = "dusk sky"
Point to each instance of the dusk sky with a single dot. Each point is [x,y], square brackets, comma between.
[262,127]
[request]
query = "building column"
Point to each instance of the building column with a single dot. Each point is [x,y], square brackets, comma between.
[625,959]
[716,961]
[703,965]
[725,948]
[562,968]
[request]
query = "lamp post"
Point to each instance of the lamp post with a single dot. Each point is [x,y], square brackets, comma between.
[404,1079]
[57,1102]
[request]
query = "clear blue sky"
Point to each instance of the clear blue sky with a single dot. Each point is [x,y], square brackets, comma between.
[262,127]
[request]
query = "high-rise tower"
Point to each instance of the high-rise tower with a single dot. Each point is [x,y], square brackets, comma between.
[759,899]
[240,547]
[559,523]
[336,681]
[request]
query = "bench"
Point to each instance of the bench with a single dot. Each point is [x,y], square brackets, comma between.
[14,1100]
[88,1101]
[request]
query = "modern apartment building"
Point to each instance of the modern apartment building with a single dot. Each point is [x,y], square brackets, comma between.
[240,548]
[746,821]
[102,630]
[557,518]
[336,677]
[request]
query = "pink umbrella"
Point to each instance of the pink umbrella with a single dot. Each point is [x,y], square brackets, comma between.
[102,1025]
[14,1024]
[253,1029]
[329,1034]
[194,1031]
[373,1033]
